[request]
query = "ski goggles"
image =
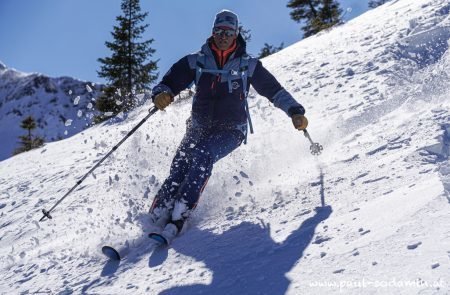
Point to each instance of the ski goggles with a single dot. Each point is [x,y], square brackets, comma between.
[223,32]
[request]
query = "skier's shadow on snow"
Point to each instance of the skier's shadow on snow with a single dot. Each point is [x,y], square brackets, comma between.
[245,259]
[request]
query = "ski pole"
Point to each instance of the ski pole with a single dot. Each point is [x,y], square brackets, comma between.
[47,213]
[316,148]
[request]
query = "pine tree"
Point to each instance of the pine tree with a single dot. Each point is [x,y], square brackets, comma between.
[329,16]
[373,3]
[316,15]
[269,49]
[28,142]
[128,70]
[304,11]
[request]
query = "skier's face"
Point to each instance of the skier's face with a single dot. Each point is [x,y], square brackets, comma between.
[223,37]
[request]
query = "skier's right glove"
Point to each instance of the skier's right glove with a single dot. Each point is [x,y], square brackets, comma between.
[300,122]
[162,100]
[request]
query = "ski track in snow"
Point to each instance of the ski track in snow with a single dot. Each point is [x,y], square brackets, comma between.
[373,209]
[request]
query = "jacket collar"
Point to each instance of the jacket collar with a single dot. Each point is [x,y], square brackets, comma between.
[240,50]
[222,56]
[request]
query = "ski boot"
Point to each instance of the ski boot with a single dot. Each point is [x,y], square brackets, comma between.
[174,226]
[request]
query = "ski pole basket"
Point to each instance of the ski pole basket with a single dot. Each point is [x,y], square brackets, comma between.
[315,148]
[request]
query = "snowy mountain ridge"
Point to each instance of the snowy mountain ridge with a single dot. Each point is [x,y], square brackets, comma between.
[370,215]
[61,106]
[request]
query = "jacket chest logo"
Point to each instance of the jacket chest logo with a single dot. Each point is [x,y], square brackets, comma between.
[235,85]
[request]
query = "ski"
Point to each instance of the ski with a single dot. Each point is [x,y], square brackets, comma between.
[166,236]
[158,238]
[111,253]
[119,250]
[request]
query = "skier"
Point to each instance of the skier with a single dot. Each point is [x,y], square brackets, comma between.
[223,73]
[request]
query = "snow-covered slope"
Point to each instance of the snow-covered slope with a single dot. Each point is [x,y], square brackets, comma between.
[61,106]
[371,215]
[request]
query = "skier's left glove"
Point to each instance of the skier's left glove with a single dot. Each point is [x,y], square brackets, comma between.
[300,122]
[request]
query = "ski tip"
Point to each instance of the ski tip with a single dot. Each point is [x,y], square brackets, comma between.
[159,238]
[110,252]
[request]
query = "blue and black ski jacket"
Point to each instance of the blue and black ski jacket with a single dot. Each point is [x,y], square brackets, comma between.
[220,100]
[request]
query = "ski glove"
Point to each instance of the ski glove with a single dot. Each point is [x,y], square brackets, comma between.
[300,122]
[162,100]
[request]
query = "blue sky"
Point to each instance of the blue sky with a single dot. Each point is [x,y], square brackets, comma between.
[65,37]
